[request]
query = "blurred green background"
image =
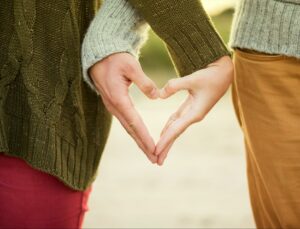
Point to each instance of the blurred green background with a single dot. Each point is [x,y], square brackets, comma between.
[155,59]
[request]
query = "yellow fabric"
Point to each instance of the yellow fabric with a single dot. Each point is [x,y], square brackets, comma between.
[266,97]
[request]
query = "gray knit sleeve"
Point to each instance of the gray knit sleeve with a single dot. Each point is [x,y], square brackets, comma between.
[117,27]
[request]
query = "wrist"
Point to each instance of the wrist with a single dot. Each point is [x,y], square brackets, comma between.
[225,65]
[116,28]
[225,62]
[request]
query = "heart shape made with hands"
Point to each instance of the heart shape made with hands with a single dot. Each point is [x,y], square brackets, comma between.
[113,76]
[156,116]
[204,89]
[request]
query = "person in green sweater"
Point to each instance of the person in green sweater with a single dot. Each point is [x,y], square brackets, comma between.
[53,127]
[266,97]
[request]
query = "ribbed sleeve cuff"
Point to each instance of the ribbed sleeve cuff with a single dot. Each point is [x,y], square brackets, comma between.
[188,32]
[267,26]
[116,28]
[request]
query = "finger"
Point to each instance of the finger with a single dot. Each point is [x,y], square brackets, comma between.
[169,122]
[144,83]
[129,130]
[112,102]
[175,85]
[162,157]
[174,131]
[137,138]
[135,123]
[181,110]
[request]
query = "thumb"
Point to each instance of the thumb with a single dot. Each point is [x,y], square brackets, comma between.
[175,85]
[145,84]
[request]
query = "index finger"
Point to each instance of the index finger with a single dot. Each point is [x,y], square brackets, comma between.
[174,130]
[134,121]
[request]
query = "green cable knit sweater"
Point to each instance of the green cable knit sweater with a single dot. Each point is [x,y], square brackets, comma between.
[48,115]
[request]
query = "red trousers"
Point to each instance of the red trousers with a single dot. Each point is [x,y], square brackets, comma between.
[33,199]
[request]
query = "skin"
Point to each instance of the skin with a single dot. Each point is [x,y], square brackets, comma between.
[113,75]
[205,88]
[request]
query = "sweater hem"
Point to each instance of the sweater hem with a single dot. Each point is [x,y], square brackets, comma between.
[48,151]
[267,26]
[265,50]
[36,166]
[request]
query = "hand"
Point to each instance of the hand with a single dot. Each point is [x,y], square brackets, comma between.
[205,88]
[112,77]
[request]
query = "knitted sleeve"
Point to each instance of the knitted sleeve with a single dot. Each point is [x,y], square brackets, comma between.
[117,27]
[184,26]
[188,32]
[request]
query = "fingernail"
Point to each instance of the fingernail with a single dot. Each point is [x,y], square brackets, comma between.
[162,94]
[154,93]
[156,153]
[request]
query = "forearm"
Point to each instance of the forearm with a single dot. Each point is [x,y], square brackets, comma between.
[184,26]
[117,27]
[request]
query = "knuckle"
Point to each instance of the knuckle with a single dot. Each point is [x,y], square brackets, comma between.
[131,126]
[130,131]
[147,87]
[114,99]
[129,68]
[132,123]
[174,116]
[171,86]
[198,118]
[115,102]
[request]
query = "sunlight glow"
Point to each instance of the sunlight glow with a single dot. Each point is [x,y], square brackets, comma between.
[215,7]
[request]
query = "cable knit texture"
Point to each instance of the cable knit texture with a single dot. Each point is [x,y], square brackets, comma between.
[48,115]
[117,27]
[270,26]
